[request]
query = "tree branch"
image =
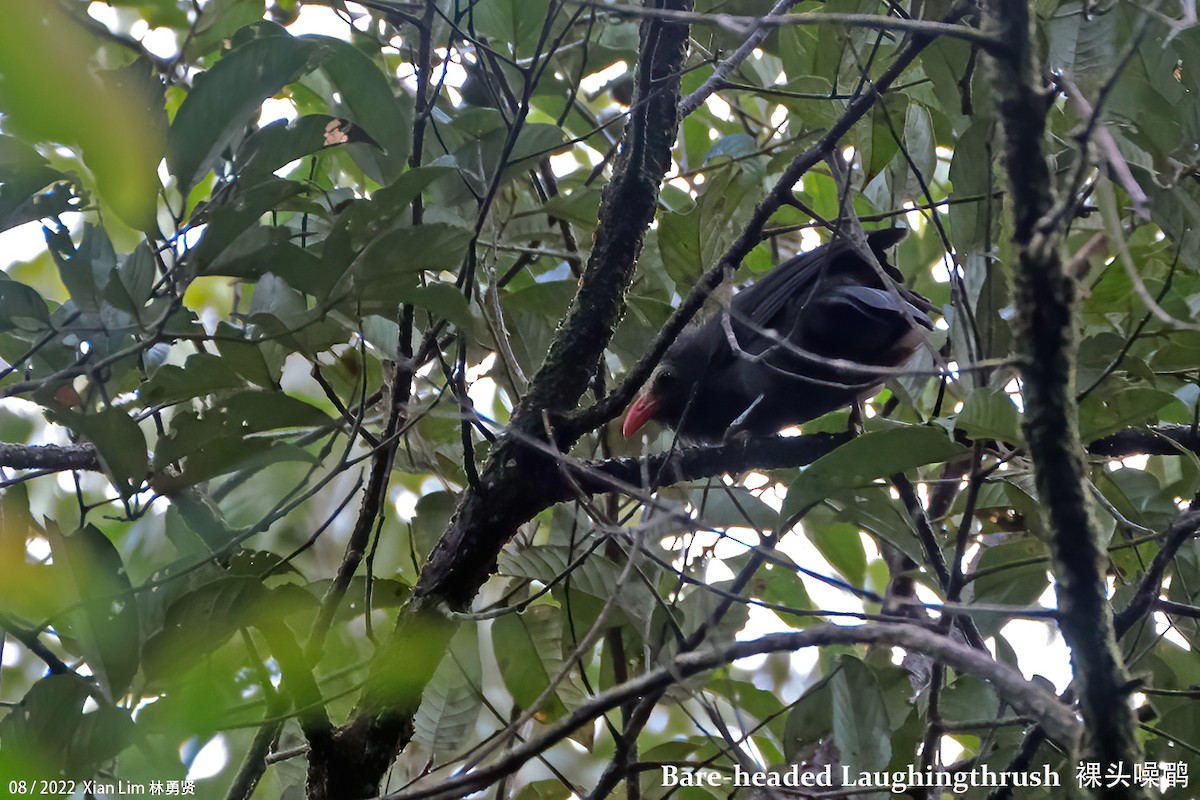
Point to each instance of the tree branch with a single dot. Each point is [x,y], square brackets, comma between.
[1045,298]
[1026,697]
[488,515]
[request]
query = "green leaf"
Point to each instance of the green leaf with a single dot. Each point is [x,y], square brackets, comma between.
[487,152]
[781,585]
[106,621]
[21,307]
[230,220]
[865,459]
[970,171]
[728,506]
[990,414]
[842,547]
[369,101]
[445,722]
[386,270]
[32,731]
[113,118]
[132,282]
[596,575]
[860,722]
[261,363]
[920,140]
[580,207]
[1014,573]
[224,99]
[1102,414]
[84,270]
[811,719]
[230,436]
[443,300]
[691,242]
[393,200]
[514,24]
[278,306]
[202,620]
[528,650]
[882,145]
[23,173]
[281,142]
[679,246]
[119,443]
[200,375]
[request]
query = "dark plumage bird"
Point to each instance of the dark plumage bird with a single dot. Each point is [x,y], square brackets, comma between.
[827,304]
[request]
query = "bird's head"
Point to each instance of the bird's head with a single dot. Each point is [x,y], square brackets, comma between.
[662,399]
[675,383]
[654,400]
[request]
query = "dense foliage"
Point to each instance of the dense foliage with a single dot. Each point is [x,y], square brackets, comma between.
[295,286]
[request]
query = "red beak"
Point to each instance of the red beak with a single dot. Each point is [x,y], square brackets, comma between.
[641,410]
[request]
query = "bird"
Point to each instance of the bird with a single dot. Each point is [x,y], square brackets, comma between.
[807,336]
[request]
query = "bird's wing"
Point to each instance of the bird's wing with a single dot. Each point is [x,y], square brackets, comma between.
[790,285]
[759,303]
[878,301]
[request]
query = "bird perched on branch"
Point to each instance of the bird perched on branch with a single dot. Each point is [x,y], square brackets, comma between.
[797,344]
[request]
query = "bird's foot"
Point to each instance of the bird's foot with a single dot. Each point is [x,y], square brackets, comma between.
[737,432]
[856,419]
[736,436]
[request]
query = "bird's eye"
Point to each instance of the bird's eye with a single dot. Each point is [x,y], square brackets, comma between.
[666,377]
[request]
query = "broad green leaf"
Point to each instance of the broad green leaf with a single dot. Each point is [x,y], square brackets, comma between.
[23,174]
[230,220]
[393,200]
[204,619]
[106,620]
[386,270]
[21,307]
[970,170]
[969,697]
[231,435]
[887,123]
[865,459]
[514,24]
[281,142]
[384,592]
[369,101]
[261,363]
[443,300]
[119,443]
[113,118]
[200,375]
[84,270]
[450,704]
[32,732]
[223,100]
[728,506]
[780,584]
[841,546]
[132,282]
[488,151]
[278,306]
[596,575]
[920,140]
[811,718]
[860,722]
[679,245]
[1105,413]
[528,650]
[581,207]
[990,414]
[1014,573]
